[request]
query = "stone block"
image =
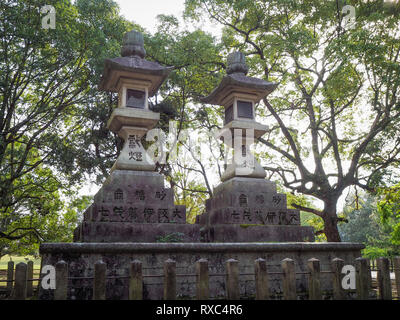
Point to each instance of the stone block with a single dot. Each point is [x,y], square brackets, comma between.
[260,233]
[239,184]
[134,178]
[137,232]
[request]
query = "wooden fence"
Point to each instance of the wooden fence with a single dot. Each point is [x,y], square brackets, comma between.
[23,280]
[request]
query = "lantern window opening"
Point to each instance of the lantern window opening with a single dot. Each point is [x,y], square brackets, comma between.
[135,98]
[132,96]
[245,109]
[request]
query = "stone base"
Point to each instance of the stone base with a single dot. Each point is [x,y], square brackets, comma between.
[251,210]
[134,206]
[258,233]
[81,258]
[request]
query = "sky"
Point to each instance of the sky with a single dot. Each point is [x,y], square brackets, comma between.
[145,13]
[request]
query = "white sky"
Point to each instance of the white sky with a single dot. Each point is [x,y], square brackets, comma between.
[145,12]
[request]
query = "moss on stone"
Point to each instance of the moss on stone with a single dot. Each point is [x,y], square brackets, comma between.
[250,225]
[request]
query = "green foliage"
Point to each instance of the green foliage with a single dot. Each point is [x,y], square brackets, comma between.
[306,218]
[52,117]
[389,209]
[365,226]
[334,115]
[55,226]
[374,253]
[172,237]
[310,219]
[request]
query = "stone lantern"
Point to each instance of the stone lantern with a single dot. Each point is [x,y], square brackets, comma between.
[246,207]
[135,79]
[238,94]
[133,204]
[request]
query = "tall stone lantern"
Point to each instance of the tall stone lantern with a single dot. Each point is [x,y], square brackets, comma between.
[135,79]
[246,207]
[133,205]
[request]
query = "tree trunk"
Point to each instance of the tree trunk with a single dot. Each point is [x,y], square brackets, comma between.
[330,222]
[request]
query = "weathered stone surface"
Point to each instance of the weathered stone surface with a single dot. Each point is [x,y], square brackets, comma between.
[246,209]
[137,232]
[243,167]
[240,184]
[81,258]
[139,194]
[134,206]
[268,233]
[249,199]
[255,215]
[236,79]
[137,213]
[134,178]
[132,63]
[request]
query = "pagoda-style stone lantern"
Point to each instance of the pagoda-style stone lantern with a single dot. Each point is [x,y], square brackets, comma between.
[135,79]
[246,207]
[238,94]
[133,204]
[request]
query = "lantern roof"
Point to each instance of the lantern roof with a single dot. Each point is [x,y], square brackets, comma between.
[237,81]
[132,65]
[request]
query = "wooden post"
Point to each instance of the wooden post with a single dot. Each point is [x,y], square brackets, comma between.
[169,280]
[61,291]
[261,277]
[99,281]
[10,276]
[337,266]
[20,282]
[289,279]
[384,283]
[29,277]
[396,262]
[363,278]
[136,281]
[202,280]
[314,280]
[232,280]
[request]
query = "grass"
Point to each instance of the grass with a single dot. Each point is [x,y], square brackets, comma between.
[4,261]
[4,264]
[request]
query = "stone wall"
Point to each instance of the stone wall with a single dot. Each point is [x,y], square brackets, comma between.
[81,258]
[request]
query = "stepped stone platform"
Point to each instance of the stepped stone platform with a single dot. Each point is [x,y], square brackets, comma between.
[251,210]
[134,206]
